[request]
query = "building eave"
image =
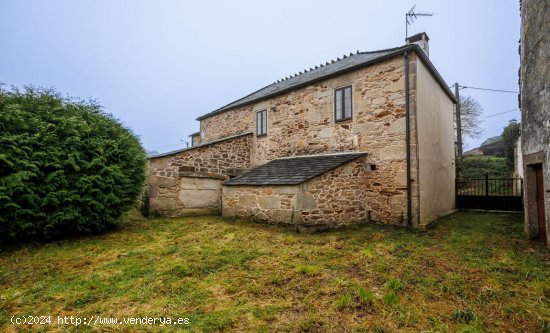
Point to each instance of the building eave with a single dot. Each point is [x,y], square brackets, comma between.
[174,152]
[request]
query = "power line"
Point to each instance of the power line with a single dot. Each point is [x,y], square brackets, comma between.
[498,114]
[489,89]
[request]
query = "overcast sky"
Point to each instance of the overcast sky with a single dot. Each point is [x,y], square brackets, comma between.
[157,65]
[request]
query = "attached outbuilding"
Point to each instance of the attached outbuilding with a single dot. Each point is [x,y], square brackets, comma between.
[310,192]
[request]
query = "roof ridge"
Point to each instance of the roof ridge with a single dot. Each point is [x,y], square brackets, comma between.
[280,80]
[332,61]
[327,63]
[318,66]
[391,49]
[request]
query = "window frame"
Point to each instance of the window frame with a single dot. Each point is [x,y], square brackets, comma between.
[343,103]
[263,118]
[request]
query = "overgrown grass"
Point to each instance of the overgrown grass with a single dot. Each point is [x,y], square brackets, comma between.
[474,272]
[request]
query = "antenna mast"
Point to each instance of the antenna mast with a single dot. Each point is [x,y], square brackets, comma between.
[410,17]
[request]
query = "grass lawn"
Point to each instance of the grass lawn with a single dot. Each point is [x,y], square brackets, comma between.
[474,272]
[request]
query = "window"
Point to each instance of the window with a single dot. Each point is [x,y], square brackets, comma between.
[342,103]
[261,123]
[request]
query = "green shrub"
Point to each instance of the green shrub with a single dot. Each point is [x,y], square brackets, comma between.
[478,166]
[65,166]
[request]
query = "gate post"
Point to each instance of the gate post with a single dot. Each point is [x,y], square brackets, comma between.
[486,184]
[521,182]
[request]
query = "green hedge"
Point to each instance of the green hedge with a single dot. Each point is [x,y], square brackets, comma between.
[478,166]
[66,167]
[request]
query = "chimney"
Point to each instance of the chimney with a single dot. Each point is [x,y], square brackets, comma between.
[421,40]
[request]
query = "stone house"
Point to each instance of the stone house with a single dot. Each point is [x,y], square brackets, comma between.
[493,146]
[535,116]
[364,138]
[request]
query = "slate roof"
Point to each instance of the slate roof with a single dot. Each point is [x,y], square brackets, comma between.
[322,72]
[292,170]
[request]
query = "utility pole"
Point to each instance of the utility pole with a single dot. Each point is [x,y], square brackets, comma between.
[458,123]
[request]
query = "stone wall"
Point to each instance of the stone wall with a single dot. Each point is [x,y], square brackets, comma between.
[272,204]
[227,124]
[302,122]
[339,197]
[535,106]
[191,178]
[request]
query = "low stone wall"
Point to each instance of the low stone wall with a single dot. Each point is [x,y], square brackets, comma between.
[191,179]
[272,204]
[338,197]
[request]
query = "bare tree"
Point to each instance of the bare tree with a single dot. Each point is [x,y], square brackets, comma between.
[470,111]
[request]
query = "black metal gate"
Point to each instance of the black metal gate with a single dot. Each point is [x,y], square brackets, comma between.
[490,193]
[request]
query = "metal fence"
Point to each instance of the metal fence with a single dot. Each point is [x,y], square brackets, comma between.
[490,193]
[490,186]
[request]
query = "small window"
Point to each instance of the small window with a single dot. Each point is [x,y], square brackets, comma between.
[261,123]
[342,103]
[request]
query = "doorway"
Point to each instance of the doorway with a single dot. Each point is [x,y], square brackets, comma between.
[539,180]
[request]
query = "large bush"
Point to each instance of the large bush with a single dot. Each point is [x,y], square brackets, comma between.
[65,166]
[478,166]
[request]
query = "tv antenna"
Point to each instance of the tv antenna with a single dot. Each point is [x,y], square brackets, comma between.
[410,17]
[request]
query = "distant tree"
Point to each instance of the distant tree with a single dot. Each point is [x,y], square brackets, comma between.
[510,135]
[470,111]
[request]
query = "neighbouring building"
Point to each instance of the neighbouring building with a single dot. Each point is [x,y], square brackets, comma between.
[493,146]
[535,115]
[364,138]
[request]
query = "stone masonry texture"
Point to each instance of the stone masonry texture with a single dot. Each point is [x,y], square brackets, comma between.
[339,197]
[301,122]
[171,177]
